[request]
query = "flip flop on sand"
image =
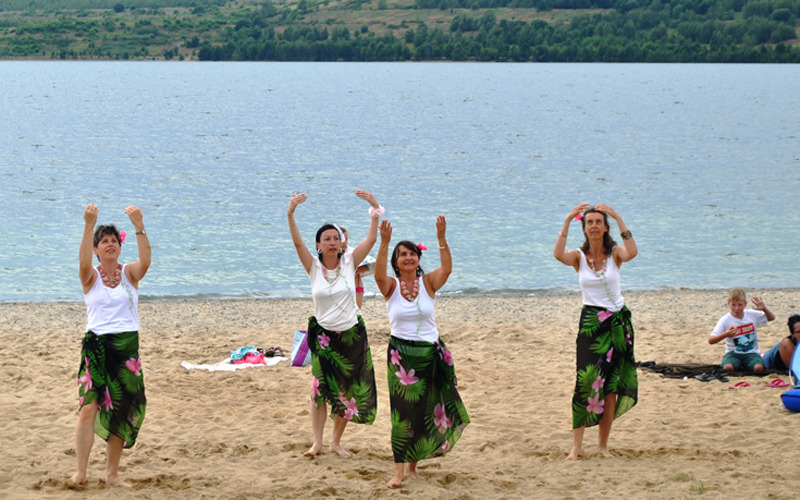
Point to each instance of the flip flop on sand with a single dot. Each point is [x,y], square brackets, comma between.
[739,384]
[778,382]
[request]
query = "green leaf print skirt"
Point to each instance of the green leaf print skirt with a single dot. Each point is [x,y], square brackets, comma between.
[110,375]
[428,415]
[343,375]
[605,365]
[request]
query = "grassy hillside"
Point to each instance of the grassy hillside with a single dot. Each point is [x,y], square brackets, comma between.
[482,30]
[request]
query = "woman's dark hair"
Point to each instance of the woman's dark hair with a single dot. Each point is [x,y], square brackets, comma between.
[103,230]
[792,320]
[410,246]
[326,227]
[608,241]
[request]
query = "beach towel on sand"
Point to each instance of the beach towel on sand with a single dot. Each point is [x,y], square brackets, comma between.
[228,366]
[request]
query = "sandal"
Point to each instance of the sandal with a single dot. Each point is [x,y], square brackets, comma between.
[739,384]
[778,382]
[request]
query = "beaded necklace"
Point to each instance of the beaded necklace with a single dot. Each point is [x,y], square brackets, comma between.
[108,281]
[410,296]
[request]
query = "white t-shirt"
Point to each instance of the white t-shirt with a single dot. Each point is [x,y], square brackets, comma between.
[335,296]
[600,289]
[746,341]
[112,310]
[412,320]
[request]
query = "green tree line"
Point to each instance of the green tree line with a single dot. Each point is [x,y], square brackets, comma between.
[762,31]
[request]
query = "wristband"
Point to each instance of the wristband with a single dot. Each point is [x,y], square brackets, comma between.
[359,289]
[376,212]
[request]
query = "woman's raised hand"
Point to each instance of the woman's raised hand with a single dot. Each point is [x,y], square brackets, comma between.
[90,215]
[366,195]
[386,232]
[577,210]
[441,226]
[296,200]
[608,210]
[135,215]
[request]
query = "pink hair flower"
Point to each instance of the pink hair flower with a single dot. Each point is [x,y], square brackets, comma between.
[421,247]
[579,217]
[122,236]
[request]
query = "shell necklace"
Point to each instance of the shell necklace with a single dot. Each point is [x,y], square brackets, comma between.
[336,273]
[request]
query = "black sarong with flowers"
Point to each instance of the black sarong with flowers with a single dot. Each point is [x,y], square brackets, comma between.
[343,375]
[110,375]
[605,365]
[428,415]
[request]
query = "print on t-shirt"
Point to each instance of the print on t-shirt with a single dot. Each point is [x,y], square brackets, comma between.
[745,338]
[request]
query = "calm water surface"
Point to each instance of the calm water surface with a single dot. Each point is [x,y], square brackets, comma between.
[700,160]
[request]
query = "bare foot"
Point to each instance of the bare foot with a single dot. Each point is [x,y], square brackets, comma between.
[395,481]
[574,454]
[116,481]
[606,453]
[415,475]
[316,449]
[76,482]
[336,448]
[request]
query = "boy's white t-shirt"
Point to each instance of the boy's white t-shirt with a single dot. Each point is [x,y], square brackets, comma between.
[746,342]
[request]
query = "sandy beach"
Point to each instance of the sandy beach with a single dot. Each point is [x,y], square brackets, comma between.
[242,434]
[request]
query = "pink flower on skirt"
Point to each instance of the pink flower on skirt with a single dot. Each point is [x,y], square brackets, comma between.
[324,341]
[107,404]
[598,383]
[134,365]
[352,407]
[609,354]
[604,315]
[446,446]
[406,378]
[440,419]
[595,404]
[396,358]
[85,379]
[315,387]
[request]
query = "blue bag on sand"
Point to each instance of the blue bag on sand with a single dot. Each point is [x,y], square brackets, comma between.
[301,356]
[791,398]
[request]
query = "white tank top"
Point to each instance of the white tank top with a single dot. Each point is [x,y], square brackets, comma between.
[600,288]
[112,310]
[412,320]
[334,294]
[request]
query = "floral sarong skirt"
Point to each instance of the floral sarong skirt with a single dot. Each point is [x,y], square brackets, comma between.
[428,415]
[605,365]
[343,375]
[110,375]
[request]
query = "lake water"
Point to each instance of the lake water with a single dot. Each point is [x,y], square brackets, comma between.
[701,161]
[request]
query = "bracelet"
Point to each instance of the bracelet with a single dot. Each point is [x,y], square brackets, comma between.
[140,232]
[562,234]
[626,235]
[359,289]
[376,212]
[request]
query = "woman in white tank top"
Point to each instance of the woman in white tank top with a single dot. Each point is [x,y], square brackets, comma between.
[110,383]
[606,384]
[428,415]
[337,337]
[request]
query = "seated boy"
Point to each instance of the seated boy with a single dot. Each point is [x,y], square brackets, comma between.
[738,329]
